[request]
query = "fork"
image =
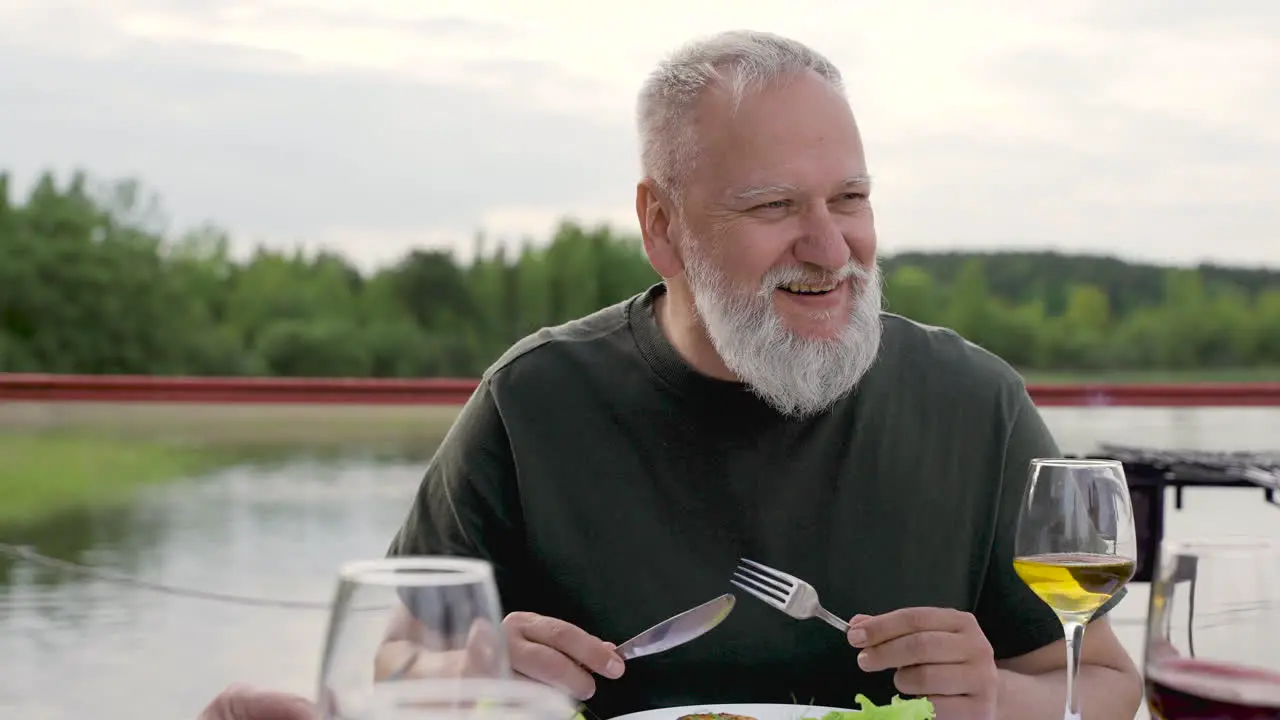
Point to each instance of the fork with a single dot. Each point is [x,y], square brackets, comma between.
[785,592]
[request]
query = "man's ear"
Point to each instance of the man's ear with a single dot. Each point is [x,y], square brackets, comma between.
[654,210]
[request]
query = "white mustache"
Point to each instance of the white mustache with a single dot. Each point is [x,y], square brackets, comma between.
[800,276]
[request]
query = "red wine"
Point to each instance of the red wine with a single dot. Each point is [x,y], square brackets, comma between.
[1188,689]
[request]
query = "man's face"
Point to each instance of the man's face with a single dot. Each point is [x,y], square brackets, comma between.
[778,243]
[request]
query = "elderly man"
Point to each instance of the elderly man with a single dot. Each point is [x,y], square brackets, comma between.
[757,403]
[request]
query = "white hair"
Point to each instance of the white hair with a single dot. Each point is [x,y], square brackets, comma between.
[740,61]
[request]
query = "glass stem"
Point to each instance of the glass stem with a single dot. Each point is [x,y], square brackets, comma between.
[1074,631]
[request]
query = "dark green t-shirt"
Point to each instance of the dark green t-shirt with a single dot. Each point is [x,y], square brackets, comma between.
[612,486]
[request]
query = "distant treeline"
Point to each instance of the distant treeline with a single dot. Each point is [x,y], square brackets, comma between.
[89,283]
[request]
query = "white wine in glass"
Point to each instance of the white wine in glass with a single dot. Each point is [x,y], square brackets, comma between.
[1075,546]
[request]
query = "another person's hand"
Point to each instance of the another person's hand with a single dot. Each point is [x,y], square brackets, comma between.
[241,702]
[556,653]
[938,653]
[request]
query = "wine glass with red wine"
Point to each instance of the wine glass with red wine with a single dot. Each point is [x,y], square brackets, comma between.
[1213,631]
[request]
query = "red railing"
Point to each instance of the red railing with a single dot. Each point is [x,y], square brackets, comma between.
[449,391]
[1158,395]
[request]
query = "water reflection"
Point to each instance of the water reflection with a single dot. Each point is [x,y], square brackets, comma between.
[117,537]
[76,646]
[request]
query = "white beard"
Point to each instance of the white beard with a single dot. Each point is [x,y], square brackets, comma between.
[797,376]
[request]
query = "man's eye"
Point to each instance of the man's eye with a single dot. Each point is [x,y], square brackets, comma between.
[772,205]
[852,200]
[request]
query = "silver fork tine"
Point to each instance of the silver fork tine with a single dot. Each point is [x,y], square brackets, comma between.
[778,578]
[767,599]
[764,580]
[760,587]
[768,570]
[784,592]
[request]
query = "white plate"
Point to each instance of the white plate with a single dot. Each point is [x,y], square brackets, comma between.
[759,711]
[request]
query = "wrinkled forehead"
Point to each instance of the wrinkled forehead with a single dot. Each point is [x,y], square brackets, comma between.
[799,133]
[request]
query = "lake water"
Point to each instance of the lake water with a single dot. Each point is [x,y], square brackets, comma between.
[75,647]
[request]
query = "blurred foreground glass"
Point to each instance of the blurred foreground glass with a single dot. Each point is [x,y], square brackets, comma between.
[1213,631]
[467,699]
[396,621]
[1075,546]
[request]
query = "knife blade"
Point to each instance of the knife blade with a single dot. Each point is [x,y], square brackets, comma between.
[679,629]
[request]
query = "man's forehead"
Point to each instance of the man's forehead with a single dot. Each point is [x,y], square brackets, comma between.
[787,137]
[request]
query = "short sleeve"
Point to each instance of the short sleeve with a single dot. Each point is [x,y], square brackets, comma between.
[1014,619]
[467,503]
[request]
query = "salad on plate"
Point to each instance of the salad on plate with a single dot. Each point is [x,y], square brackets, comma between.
[897,709]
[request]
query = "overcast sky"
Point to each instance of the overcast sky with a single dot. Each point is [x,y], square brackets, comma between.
[1149,129]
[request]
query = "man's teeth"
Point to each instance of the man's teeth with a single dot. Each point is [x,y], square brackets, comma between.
[806,288]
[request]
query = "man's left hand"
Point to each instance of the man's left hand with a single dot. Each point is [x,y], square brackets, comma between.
[939,653]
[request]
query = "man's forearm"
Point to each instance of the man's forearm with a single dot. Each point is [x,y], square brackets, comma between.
[1104,694]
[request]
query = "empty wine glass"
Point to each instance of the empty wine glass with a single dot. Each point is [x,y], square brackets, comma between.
[1213,631]
[398,620]
[468,699]
[1075,546]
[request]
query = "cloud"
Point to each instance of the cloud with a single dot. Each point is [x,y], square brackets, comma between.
[1148,128]
[993,194]
[1150,141]
[289,151]
[1256,16]
[1213,69]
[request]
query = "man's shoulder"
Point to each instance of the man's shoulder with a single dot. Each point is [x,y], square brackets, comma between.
[587,335]
[944,362]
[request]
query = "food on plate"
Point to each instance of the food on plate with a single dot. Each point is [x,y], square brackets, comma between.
[897,709]
[715,716]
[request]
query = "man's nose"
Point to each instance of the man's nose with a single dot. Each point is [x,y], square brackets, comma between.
[823,243]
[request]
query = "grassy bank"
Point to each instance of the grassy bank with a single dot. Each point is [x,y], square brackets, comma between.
[238,425]
[62,455]
[66,455]
[42,474]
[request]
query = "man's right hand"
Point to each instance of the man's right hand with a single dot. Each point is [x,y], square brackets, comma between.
[558,654]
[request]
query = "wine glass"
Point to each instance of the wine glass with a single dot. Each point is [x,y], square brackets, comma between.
[1212,647]
[469,699]
[1075,545]
[396,620]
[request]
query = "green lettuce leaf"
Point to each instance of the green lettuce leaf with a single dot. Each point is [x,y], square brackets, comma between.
[897,709]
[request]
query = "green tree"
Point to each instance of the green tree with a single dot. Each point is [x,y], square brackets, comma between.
[91,283]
